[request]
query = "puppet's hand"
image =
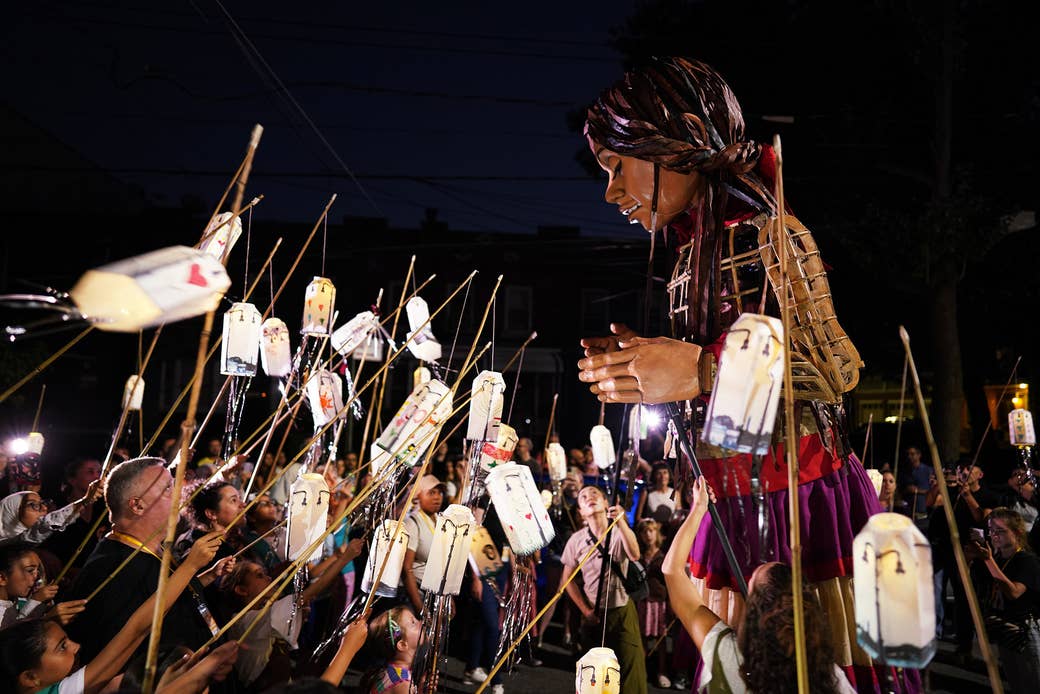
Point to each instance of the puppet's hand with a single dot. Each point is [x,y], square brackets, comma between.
[649,370]
[602,345]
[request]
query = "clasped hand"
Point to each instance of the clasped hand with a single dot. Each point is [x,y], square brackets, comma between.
[624,367]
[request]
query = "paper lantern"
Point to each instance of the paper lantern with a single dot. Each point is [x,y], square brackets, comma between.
[485,406]
[325,397]
[275,354]
[34,443]
[319,303]
[163,286]
[449,550]
[602,447]
[1020,428]
[483,555]
[221,234]
[422,344]
[352,334]
[421,375]
[384,543]
[892,568]
[414,427]
[547,498]
[308,515]
[876,478]
[743,404]
[240,346]
[493,454]
[518,502]
[371,350]
[133,393]
[556,461]
[598,672]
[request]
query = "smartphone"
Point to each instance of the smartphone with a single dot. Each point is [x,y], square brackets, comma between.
[978,535]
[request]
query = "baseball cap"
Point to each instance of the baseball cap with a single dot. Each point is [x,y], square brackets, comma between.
[428,482]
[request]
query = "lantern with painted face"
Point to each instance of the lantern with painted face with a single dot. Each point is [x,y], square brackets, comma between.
[501,451]
[221,234]
[422,344]
[319,303]
[485,406]
[744,400]
[308,515]
[325,396]
[598,672]
[518,502]
[352,334]
[556,460]
[240,346]
[449,550]
[162,286]
[414,427]
[275,351]
[894,593]
[602,447]
[133,393]
[385,547]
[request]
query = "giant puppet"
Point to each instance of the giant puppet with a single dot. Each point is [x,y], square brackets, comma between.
[670,136]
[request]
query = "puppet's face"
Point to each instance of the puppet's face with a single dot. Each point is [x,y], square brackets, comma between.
[631,187]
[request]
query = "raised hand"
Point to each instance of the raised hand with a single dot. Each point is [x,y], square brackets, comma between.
[609,343]
[204,549]
[649,370]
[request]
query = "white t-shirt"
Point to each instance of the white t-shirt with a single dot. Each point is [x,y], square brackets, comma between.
[73,684]
[723,662]
[9,614]
[420,528]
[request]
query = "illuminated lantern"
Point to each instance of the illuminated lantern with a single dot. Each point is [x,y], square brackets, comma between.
[308,515]
[240,347]
[319,302]
[274,350]
[556,461]
[421,375]
[162,286]
[598,672]
[414,427]
[421,342]
[893,588]
[370,350]
[392,553]
[449,550]
[547,498]
[325,396]
[485,406]
[876,478]
[1020,428]
[34,443]
[352,334]
[518,502]
[501,451]
[602,447]
[483,554]
[742,409]
[133,393]
[221,234]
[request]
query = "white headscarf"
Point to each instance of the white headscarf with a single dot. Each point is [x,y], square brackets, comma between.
[10,511]
[12,529]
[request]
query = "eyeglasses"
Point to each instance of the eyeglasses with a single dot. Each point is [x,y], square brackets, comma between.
[35,505]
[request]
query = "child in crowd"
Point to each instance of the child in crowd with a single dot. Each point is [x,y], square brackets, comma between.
[395,633]
[654,616]
[22,589]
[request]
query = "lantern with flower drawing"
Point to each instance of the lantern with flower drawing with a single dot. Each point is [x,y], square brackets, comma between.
[319,303]
[325,397]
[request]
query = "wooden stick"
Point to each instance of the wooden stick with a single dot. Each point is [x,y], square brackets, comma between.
[552,416]
[958,551]
[44,364]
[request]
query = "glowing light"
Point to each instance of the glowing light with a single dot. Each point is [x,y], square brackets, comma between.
[1023,386]
[1016,401]
[18,446]
[651,419]
[891,419]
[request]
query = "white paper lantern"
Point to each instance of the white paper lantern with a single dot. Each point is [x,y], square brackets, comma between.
[308,515]
[162,286]
[449,550]
[598,672]
[876,478]
[381,547]
[325,396]
[34,443]
[221,233]
[275,352]
[483,555]
[319,303]
[892,568]
[743,404]
[485,406]
[556,461]
[421,375]
[518,502]
[1020,428]
[493,454]
[414,427]
[602,447]
[133,393]
[352,334]
[371,350]
[424,346]
[547,498]
[240,346]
